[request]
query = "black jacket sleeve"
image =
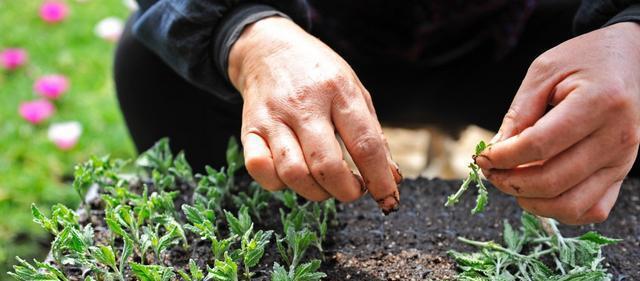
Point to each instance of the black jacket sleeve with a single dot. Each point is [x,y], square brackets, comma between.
[194,36]
[594,14]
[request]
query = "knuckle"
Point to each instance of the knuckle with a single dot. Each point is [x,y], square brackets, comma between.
[536,146]
[614,97]
[599,214]
[294,173]
[323,165]
[542,64]
[367,147]
[630,137]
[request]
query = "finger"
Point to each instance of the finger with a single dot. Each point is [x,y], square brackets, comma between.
[531,99]
[323,156]
[291,166]
[259,162]
[366,146]
[600,212]
[395,169]
[570,206]
[558,174]
[559,129]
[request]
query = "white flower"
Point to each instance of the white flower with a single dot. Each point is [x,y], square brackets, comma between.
[110,29]
[65,135]
[132,5]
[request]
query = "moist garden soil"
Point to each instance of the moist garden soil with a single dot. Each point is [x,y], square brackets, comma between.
[412,244]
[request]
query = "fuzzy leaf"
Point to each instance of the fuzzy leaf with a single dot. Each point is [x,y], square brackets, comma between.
[598,239]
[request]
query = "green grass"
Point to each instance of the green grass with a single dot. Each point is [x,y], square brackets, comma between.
[32,169]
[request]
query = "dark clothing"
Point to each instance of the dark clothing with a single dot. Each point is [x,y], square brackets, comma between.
[173,88]
[193,37]
[158,102]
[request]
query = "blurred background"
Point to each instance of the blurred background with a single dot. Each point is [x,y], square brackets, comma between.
[58,108]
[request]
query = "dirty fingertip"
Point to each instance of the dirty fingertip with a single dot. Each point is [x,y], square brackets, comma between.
[395,171]
[389,203]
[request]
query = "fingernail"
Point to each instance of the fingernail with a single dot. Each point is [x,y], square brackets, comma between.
[484,162]
[363,187]
[397,175]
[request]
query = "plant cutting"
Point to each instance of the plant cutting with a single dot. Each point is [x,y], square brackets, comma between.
[525,252]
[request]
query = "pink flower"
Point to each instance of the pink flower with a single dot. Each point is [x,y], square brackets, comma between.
[12,58]
[51,86]
[65,135]
[53,11]
[36,111]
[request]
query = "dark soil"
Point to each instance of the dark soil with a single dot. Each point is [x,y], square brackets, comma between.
[412,243]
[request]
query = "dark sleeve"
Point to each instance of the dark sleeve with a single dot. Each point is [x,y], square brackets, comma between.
[594,14]
[194,36]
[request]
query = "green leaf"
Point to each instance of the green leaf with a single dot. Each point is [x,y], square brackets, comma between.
[308,272]
[105,255]
[152,272]
[512,238]
[480,147]
[226,270]
[239,225]
[595,237]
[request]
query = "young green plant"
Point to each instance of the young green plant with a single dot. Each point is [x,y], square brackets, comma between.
[473,178]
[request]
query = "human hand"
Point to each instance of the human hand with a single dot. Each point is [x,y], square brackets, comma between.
[297,93]
[569,163]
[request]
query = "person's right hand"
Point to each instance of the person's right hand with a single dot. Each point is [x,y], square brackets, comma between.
[297,93]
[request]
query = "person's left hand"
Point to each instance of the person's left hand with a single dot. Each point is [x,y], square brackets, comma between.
[568,162]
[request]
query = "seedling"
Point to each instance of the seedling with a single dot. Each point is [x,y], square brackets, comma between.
[203,224]
[37,271]
[152,272]
[255,202]
[473,178]
[160,243]
[140,215]
[252,249]
[304,272]
[224,270]
[195,273]
[577,258]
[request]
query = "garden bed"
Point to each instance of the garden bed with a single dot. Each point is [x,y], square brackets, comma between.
[180,219]
[412,243]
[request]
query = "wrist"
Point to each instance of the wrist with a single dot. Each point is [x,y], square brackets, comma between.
[262,38]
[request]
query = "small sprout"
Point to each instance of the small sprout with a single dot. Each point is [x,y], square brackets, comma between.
[203,224]
[61,217]
[160,243]
[241,224]
[297,243]
[195,273]
[252,248]
[473,178]
[304,272]
[224,270]
[37,271]
[256,202]
[235,159]
[152,272]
